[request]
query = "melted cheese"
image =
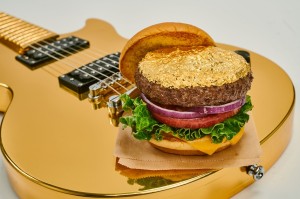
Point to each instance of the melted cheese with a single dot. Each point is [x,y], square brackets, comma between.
[206,146]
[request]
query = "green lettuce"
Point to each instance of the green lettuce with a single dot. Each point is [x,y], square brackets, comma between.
[144,126]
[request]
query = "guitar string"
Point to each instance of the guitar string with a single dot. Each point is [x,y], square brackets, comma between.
[83,52]
[67,64]
[52,71]
[101,52]
[57,59]
[86,53]
[70,53]
[93,51]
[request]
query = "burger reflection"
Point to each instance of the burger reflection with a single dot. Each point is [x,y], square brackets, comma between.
[150,179]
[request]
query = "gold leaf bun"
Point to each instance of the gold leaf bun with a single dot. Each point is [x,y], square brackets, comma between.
[162,35]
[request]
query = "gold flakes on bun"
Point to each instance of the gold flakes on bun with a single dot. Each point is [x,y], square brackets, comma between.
[162,35]
[185,67]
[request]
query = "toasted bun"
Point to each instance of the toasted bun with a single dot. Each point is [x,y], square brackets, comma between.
[180,147]
[159,36]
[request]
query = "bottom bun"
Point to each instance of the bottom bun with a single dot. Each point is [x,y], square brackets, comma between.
[201,146]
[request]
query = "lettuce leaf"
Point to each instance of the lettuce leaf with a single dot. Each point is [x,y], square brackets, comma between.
[144,126]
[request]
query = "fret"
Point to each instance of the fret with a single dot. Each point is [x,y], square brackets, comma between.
[32,39]
[3,18]
[19,35]
[11,28]
[25,31]
[2,14]
[8,23]
[16,30]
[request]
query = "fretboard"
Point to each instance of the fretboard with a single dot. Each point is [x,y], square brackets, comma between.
[19,35]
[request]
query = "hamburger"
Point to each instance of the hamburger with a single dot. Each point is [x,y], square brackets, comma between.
[193,94]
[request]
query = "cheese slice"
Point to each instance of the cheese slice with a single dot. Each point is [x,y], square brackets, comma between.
[206,146]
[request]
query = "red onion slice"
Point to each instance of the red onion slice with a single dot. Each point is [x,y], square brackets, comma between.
[219,108]
[193,112]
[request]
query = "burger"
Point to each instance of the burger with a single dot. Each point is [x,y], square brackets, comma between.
[193,97]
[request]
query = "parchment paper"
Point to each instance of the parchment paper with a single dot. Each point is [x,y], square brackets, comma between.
[137,154]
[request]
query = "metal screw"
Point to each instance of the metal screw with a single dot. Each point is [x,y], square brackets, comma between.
[256,171]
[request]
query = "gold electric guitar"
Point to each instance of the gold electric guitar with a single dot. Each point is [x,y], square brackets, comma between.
[58,97]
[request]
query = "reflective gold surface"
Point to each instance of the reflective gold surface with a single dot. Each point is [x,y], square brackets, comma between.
[56,146]
[5,97]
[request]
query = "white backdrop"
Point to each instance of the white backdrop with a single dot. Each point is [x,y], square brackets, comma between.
[269,28]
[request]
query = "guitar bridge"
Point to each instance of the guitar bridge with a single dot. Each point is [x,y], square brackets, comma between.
[114,104]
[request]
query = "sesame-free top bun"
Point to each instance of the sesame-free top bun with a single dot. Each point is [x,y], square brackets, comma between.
[157,36]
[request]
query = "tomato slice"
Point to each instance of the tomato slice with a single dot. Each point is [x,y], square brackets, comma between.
[195,123]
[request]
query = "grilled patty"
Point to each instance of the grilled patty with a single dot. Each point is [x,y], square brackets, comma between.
[194,96]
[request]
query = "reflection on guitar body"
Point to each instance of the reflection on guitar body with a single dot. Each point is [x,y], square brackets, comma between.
[56,145]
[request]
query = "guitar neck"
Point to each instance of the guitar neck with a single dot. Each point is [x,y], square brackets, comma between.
[19,35]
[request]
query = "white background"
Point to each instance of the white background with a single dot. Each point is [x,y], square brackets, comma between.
[269,28]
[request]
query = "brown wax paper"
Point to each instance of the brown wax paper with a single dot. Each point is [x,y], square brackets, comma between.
[137,154]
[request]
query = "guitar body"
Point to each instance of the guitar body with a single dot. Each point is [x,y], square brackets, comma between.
[57,146]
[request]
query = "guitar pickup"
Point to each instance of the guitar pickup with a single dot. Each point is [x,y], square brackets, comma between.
[47,51]
[105,70]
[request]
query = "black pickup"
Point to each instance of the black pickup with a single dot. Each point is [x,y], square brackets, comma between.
[104,69]
[45,52]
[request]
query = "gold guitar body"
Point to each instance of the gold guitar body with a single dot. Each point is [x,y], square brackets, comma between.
[56,146]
